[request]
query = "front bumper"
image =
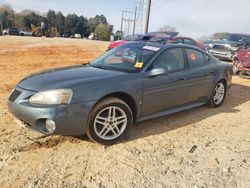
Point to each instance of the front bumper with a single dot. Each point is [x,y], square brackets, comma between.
[69,119]
[222,55]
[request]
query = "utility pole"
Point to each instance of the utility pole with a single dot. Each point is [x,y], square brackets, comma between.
[1,26]
[148,16]
[122,20]
[134,20]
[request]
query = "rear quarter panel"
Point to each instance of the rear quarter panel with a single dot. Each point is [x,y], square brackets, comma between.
[224,71]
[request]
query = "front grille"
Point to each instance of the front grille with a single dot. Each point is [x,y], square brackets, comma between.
[220,47]
[14,95]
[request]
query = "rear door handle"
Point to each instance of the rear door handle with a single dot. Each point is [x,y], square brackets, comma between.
[212,72]
[182,78]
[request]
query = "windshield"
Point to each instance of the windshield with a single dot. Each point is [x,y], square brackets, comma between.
[235,37]
[238,38]
[126,58]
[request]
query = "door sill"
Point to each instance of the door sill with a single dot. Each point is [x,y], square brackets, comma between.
[171,111]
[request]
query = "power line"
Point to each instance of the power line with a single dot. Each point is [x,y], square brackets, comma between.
[127,21]
[138,19]
[140,16]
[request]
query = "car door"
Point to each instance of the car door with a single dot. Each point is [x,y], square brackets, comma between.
[200,76]
[169,90]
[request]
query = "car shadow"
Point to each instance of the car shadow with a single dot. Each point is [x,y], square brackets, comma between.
[237,95]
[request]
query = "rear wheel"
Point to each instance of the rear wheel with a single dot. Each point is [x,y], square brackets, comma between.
[109,121]
[218,95]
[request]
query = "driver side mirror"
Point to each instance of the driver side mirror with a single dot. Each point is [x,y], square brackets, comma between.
[157,71]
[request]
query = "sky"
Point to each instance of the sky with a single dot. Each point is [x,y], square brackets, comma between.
[193,18]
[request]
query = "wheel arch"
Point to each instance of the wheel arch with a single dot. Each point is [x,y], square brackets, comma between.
[128,99]
[224,81]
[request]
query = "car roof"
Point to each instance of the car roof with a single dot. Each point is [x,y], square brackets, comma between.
[244,34]
[183,38]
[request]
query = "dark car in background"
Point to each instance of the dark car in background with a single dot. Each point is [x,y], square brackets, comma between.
[188,41]
[158,34]
[177,40]
[11,31]
[131,83]
[227,47]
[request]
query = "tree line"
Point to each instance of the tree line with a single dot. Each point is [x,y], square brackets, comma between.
[66,25]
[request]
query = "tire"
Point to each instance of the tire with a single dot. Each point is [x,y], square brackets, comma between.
[218,95]
[106,128]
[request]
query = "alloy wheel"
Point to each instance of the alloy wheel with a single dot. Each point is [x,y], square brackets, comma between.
[110,123]
[219,93]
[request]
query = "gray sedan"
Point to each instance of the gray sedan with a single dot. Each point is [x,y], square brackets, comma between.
[134,82]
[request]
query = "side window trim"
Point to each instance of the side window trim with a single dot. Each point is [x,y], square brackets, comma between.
[208,60]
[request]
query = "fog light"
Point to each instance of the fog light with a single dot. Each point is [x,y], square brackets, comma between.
[50,125]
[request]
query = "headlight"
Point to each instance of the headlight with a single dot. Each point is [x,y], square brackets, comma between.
[51,97]
[228,46]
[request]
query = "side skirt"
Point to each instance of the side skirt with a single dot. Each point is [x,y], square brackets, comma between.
[171,111]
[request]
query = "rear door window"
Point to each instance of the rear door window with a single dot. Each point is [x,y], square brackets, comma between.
[195,58]
[171,59]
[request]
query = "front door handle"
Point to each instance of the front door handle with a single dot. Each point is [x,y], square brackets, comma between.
[182,78]
[212,72]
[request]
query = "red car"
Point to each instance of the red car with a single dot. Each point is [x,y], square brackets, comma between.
[242,64]
[189,41]
[117,43]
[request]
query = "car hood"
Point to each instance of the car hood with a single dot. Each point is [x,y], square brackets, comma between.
[231,43]
[65,77]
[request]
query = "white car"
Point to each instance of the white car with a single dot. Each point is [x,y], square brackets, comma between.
[78,36]
[25,33]
[5,32]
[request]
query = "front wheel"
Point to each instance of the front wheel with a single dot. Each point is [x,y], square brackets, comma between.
[109,121]
[218,95]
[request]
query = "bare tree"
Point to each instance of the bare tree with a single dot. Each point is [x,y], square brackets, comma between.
[167,28]
[202,38]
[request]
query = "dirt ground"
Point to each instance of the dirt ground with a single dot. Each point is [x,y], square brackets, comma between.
[156,153]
